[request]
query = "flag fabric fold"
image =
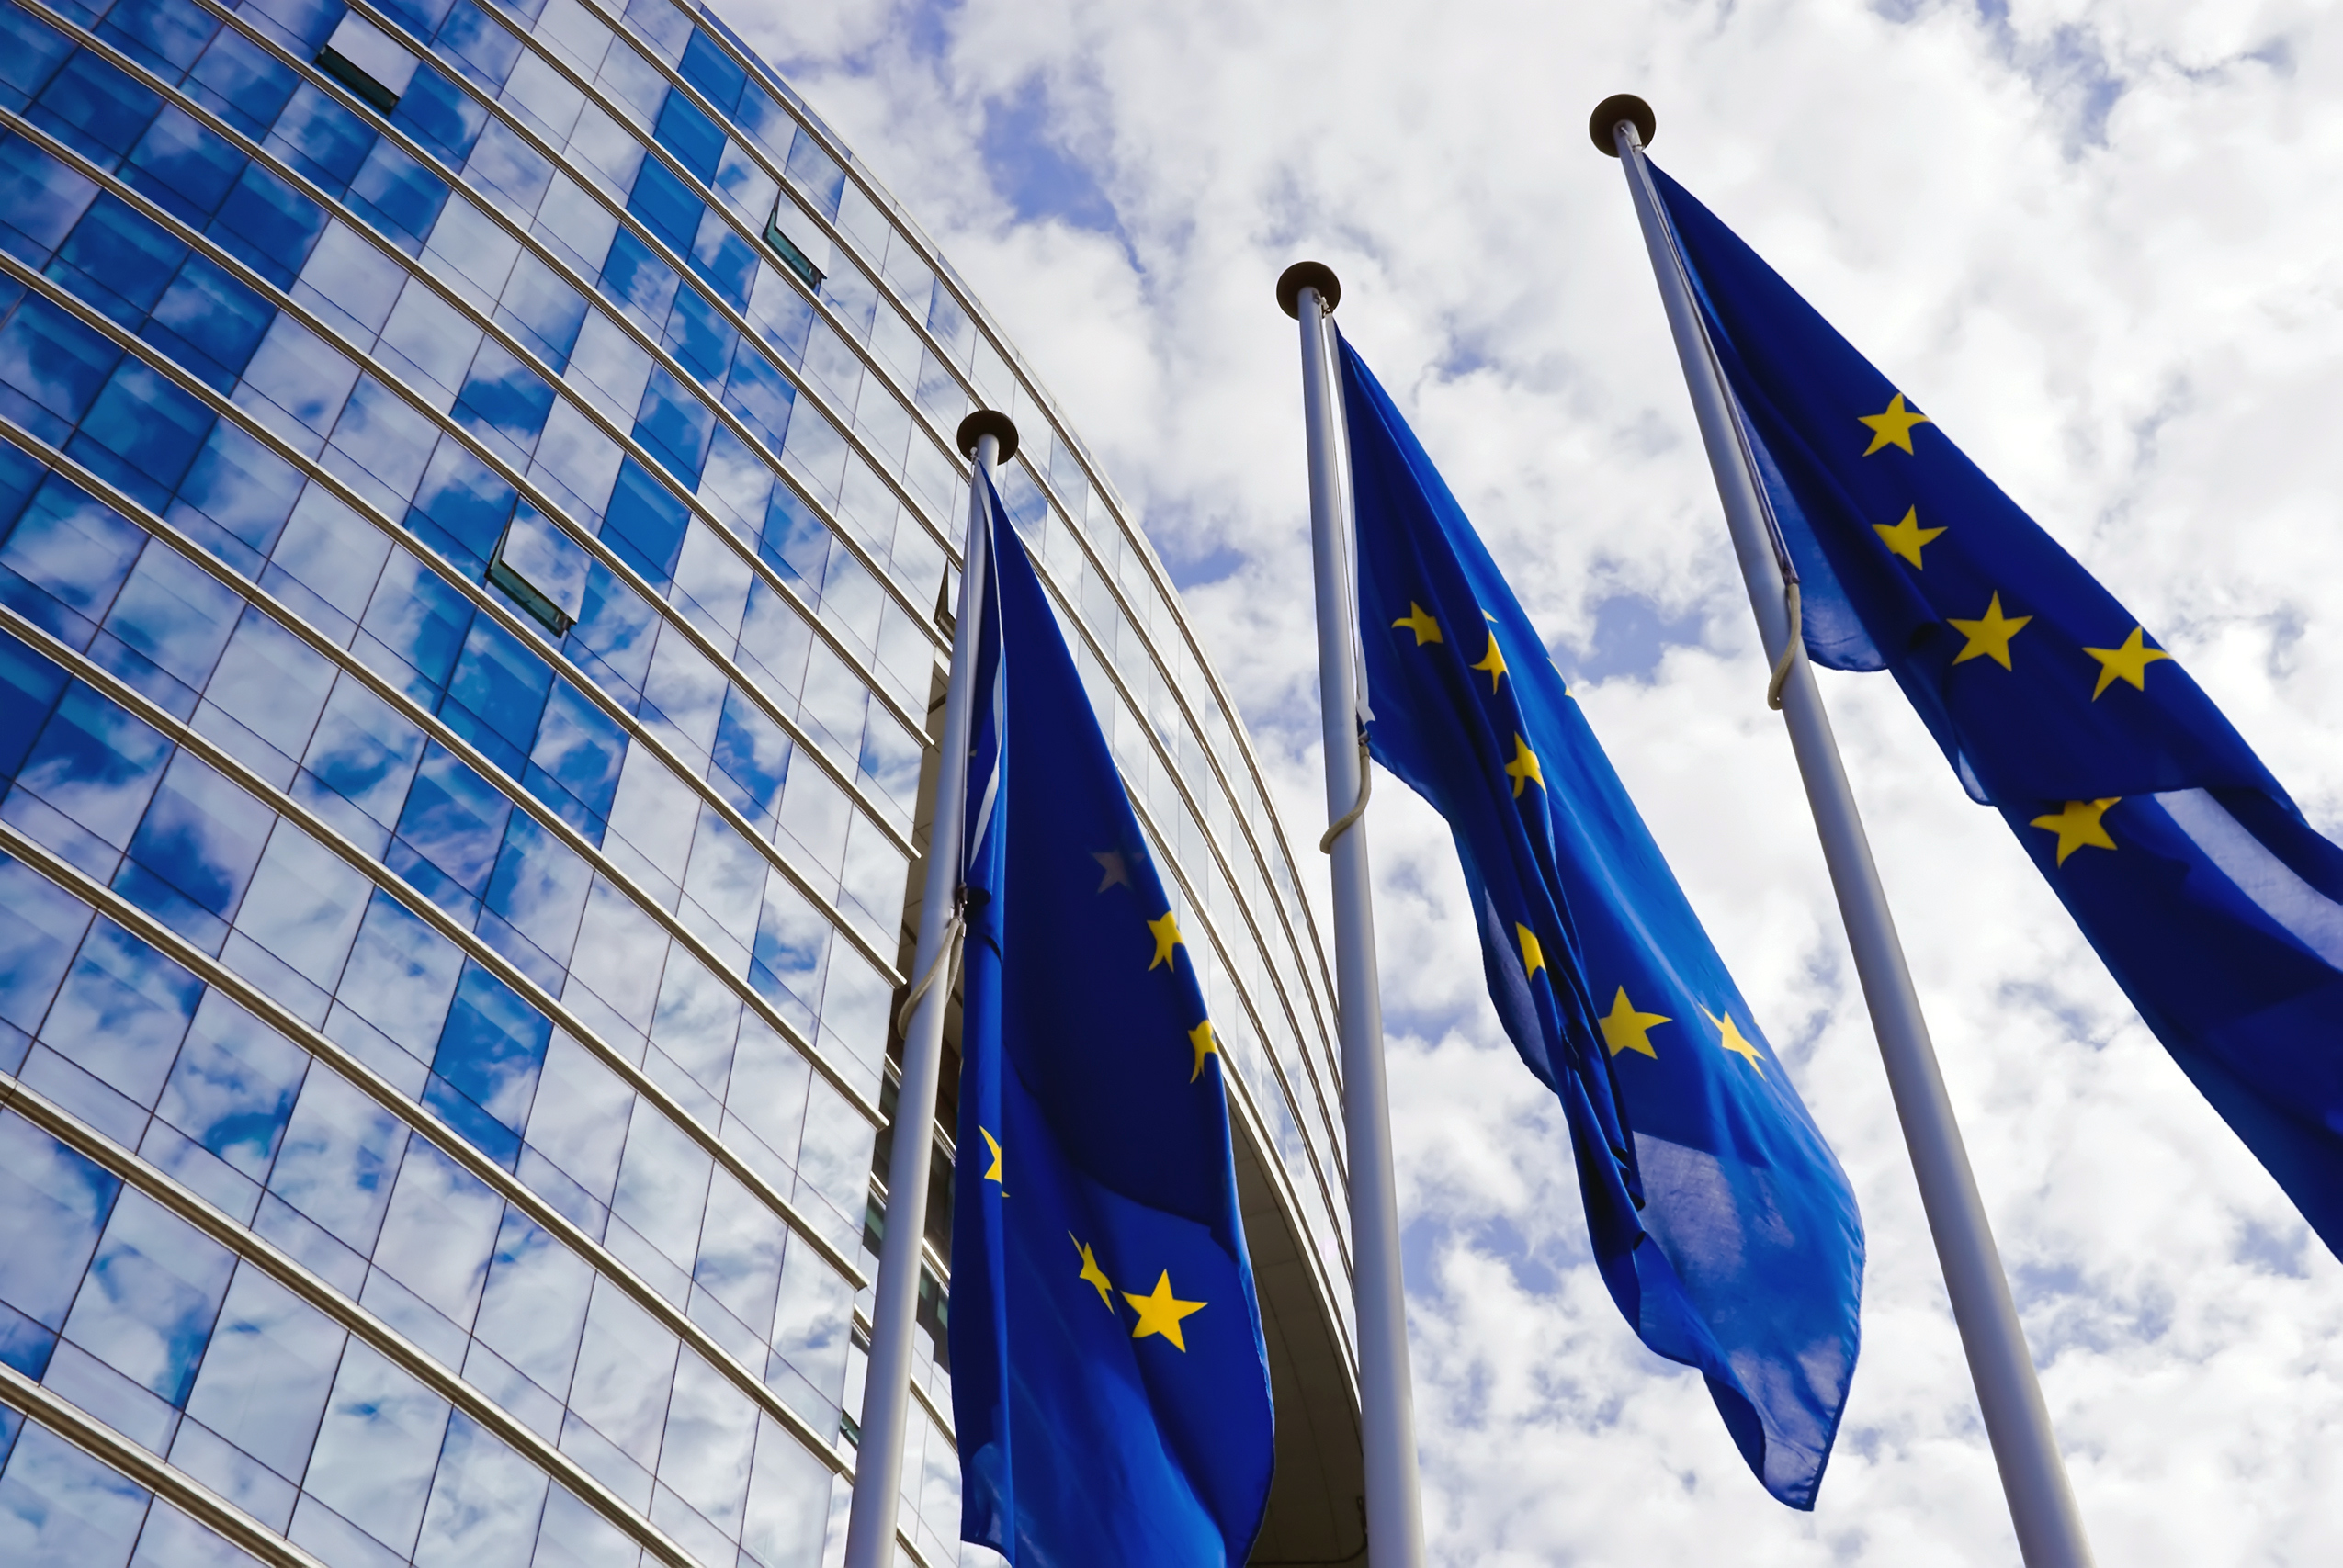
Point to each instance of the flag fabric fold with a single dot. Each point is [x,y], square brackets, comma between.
[1110,1386]
[2216,906]
[1720,1220]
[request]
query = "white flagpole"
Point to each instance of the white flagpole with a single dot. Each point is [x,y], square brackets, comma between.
[989,437]
[1308,291]
[2016,1422]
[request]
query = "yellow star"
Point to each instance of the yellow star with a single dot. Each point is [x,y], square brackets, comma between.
[1202,1040]
[1990,636]
[1417,621]
[2077,824]
[1167,937]
[1112,870]
[1628,1029]
[1907,537]
[1093,1275]
[2128,662]
[1523,767]
[1493,663]
[1532,956]
[1733,1040]
[1893,428]
[994,1144]
[1161,1312]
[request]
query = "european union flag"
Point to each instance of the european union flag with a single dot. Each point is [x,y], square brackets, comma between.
[2211,901]
[1721,1221]
[1109,1383]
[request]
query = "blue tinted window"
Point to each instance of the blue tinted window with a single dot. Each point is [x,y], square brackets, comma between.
[817,173]
[753,752]
[543,309]
[535,899]
[504,398]
[142,432]
[615,632]
[666,205]
[65,558]
[122,1012]
[94,109]
[153,1289]
[242,83]
[389,438]
[697,141]
[53,1203]
[501,685]
[321,138]
[269,225]
[168,625]
[440,115]
[761,396]
[675,426]
[646,523]
[574,766]
[53,366]
[419,619]
[195,850]
[234,1085]
[306,24]
[700,336]
[183,166]
[713,71]
[461,507]
[209,322]
[29,685]
[165,36]
[725,260]
[96,764]
[491,1052]
[39,924]
[117,260]
[453,819]
[239,487]
[638,280]
[486,48]
[40,200]
[509,167]
[398,196]
[29,50]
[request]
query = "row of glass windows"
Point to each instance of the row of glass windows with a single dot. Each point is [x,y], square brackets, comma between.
[686,132]
[302,389]
[130,1312]
[654,295]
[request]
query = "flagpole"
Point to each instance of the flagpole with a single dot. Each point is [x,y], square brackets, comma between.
[1309,291]
[2016,1422]
[988,437]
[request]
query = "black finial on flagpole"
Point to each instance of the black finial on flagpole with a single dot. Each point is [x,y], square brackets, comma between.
[984,422]
[1307,275]
[1611,111]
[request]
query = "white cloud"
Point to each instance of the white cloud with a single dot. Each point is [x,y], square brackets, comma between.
[2098,242]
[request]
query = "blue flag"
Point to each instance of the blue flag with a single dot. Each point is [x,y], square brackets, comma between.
[1721,1221]
[1110,1386]
[2210,900]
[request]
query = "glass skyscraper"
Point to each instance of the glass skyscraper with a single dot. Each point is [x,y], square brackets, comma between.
[477,507]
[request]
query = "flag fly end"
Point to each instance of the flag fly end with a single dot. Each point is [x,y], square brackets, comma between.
[984,422]
[1603,124]
[1309,274]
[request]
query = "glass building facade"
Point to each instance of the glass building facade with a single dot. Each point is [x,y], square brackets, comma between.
[477,516]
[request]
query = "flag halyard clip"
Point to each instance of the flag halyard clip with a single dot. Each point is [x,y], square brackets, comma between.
[947,957]
[1341,824]
[1789,647]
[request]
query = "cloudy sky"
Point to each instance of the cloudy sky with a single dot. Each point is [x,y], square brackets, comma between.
[2100,243]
